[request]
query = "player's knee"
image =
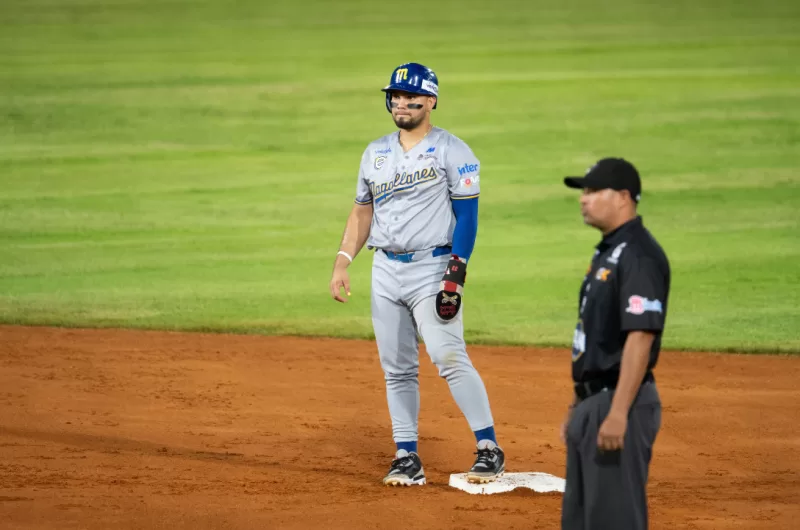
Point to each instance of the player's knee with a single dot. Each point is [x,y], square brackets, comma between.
[400,375]
[449,360]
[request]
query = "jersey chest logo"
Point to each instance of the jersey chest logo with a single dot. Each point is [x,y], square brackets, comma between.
[401,183]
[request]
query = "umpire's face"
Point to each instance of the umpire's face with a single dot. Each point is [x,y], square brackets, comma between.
[409,110]
[602,208]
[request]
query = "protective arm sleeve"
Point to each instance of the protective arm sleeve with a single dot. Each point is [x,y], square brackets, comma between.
[466,230]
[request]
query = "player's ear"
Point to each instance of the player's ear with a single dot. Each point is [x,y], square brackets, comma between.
[625,195]
[431,102]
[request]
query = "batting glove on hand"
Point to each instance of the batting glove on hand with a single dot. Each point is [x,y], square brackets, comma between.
[448,300]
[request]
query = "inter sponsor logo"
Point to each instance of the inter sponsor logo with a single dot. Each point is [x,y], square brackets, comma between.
[468,168]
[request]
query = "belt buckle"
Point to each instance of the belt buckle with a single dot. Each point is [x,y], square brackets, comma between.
[585,390]
[404,257]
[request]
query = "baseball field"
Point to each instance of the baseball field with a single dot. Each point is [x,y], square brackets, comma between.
[174,181]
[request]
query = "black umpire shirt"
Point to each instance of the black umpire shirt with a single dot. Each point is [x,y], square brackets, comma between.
[625,289]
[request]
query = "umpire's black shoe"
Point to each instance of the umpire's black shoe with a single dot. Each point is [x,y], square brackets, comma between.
[490,464]
[406,470]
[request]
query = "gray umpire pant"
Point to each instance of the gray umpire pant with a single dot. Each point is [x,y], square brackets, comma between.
[607,490]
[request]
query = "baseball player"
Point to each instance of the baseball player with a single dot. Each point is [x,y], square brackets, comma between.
[622,307]
[416,205]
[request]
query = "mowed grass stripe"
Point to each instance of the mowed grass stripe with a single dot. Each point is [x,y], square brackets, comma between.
[183,168]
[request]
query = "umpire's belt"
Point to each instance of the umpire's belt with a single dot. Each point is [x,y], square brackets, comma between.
[408,257]
[587,389]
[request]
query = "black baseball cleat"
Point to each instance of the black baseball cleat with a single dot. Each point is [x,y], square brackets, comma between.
[490,464]
[406,470]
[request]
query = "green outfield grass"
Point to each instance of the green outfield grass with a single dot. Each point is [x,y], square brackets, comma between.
[189,165]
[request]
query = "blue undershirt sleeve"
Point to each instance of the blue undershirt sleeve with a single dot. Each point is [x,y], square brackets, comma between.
[466,230]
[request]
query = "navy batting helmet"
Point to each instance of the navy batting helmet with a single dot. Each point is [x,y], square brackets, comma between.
[414,78]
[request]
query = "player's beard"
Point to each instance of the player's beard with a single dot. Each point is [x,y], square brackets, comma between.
[408,123]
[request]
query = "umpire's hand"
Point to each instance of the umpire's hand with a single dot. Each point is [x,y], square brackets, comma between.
[565,424]
[611,436]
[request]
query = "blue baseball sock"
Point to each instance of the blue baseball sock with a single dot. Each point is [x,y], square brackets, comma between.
[411,447]
[486,434]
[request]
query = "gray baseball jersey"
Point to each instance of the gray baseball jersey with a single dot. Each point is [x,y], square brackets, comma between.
[411,192]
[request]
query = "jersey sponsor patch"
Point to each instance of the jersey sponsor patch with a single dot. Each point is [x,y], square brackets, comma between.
[468,168]
[467,182]
[602,274]
[430,86]
[638,305]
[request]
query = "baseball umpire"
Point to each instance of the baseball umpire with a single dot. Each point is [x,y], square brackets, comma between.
[417,204]
[616,412]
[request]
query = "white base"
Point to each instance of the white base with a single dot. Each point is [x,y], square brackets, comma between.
[540,482]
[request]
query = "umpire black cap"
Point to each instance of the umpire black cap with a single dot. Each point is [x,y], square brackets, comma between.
[615,173]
